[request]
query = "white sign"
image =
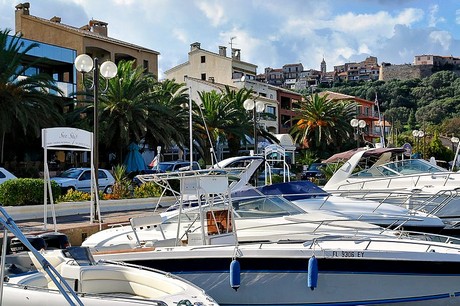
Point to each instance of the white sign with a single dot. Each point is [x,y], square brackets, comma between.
[66,136]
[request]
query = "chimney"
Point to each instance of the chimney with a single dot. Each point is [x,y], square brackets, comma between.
[56,19]
[195,46]
[236,54]
[98,27]
[223,51]
[23,8]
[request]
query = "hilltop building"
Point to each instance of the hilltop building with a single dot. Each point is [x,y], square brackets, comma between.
[423,66]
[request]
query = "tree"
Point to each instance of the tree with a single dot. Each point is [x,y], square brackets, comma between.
[168,115]
[224,117]
[322,122]
[26,106]
[411,122]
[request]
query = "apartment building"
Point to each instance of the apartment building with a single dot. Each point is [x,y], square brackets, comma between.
[91,39]
[214,67]
[365,110]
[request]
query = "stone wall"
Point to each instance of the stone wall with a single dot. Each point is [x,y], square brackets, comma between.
[404,72]
[407,71]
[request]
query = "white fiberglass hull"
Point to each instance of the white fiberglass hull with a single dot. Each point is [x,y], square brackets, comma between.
[358,272]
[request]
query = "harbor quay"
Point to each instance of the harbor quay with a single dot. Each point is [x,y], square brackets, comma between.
[74,218]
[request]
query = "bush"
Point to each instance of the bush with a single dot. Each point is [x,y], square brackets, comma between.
[147,190]
[74,196]
[25,191]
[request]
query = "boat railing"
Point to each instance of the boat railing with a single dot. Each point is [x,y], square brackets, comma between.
[430,241]
[415,200]
[169,186]
[394,181]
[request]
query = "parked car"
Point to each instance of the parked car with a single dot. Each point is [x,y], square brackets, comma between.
[169,166]
[6,175]
[314,172]
[80,179]
[177,165]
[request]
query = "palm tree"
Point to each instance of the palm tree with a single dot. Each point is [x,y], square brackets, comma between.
[322,122]
[124,107]
[26,107]
[224,117]
[168,119]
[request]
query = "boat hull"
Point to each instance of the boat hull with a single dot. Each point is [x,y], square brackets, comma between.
[279,277]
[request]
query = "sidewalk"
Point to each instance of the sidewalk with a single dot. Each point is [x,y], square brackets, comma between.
[74,221]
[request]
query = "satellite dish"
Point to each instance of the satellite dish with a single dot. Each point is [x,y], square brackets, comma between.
[243,78]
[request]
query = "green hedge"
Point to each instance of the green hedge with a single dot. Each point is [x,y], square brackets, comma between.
[25,191]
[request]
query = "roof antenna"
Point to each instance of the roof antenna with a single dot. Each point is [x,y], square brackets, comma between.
[231,41]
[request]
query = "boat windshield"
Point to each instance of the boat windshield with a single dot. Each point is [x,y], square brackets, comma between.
[250,207]
[400,168]
[264,206]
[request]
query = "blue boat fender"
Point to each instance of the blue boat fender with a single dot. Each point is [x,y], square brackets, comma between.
[235,274]
[312,277]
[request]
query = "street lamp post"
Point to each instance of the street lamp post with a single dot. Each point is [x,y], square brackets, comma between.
[358,125]
[108,70]
[417,135]
[256,107]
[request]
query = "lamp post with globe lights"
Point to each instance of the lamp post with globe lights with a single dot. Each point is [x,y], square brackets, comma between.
[255,107]
[108,70]
[358,125]
[417,136]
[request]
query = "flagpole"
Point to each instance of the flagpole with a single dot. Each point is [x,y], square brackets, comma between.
[190,125]
[382,132]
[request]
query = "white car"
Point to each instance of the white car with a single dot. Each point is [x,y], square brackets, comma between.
[80,179]
[6,175]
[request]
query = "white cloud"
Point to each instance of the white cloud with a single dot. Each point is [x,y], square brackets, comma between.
[269,32]
[214,12]
[443,38]
[433,20]
[180,35]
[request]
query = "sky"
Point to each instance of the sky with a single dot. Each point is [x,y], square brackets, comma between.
[270,33]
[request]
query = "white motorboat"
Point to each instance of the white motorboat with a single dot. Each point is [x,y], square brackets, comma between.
[310,197]
[257,218]
[383,174]
[349,270]
[330,267]
[72,276]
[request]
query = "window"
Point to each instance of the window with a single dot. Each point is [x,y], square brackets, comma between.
[146,65]
[203,59]
[203,76]
[271,110]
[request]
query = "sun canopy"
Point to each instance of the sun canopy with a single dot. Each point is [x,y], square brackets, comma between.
[343,156]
